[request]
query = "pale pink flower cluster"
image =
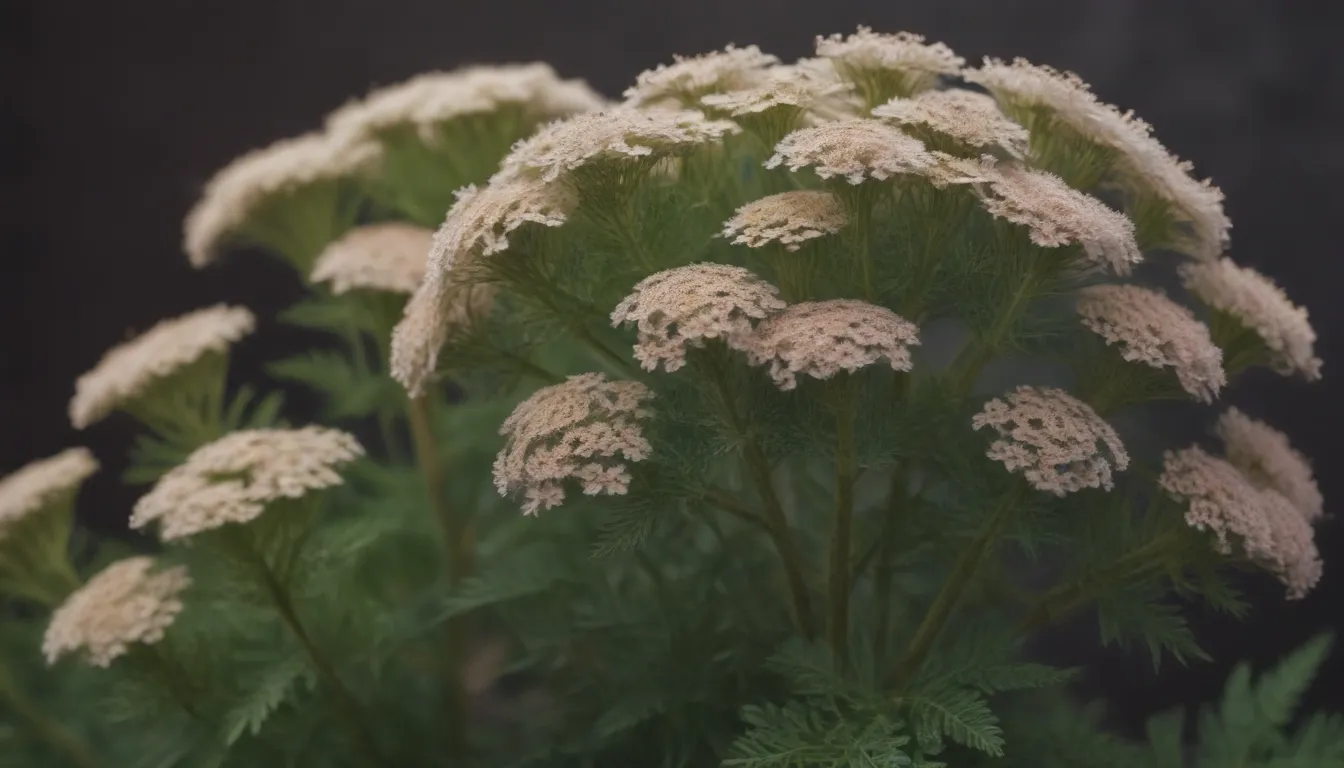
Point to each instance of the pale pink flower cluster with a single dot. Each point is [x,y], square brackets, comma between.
[232,479]
[788,218]
[282,168]
[440,308]
[126,370]
[1261,306]
[35,485]
[971,119]
[388,256]
[1152,329]
[128,602]
[1268,528]
[680,308]
[823,338]
[1058,443]
[784,86]
[1266,457]
[434,98]
[854,150]
[688,78]
[1142,156]
[906,54]
[584,429]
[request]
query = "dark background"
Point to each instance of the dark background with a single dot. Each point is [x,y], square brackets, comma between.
[121,111]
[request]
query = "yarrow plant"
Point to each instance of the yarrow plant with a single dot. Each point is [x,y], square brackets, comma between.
[674,431]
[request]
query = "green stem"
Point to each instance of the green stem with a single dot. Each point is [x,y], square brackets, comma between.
[43,726]
[982,349]
[953,589]
[843,524]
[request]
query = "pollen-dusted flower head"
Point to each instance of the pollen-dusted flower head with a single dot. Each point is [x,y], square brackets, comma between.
[886,65]
[1058,443]
[1262,306]
[232,479]
[1266,526]
[440,308]
[688,78]
[1058,215]
[377,257]
[822,338]
[788,218]
[680,308]
[584,429]
[853,149]
[968,118]
[236,191]
[1265,456]
[128,369]
[1152,329]
[128,602]
[612,135]
[437,97]
[37,484]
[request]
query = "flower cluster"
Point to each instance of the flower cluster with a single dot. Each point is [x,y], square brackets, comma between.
[968,118]
[1266,457]
[39,483]
[822,338]
[377,257]
[866,54]
[129,602]
[789,218]
[688,78]
[854,150]
[585,429]
[783,86]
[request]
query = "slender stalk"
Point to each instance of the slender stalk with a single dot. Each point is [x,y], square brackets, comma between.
[950,594]
[842,526]
[461,559]
[981,350]
[43,726]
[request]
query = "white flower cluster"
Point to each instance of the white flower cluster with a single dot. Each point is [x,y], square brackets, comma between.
[35,485]
[128,602]
[377,257]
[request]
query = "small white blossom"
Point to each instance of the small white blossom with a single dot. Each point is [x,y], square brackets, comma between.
[822,338]
[128,602]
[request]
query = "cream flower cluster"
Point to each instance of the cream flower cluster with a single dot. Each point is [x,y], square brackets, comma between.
[232,479]
[822,338]
[788,218]
[854,150]
[969,118]
[1056,441]
[37,484]
[788,85]
[128,369]
[865,52]
[1265,456]
[377,257]
[688,78]
[583,429]
[128,602]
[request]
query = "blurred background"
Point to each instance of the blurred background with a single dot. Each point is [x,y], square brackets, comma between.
[117,113]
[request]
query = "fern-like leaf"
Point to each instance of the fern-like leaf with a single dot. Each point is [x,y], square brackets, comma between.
[960,714]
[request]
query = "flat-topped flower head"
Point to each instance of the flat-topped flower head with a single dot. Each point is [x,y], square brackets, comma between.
[1058,443]
[1265,456]
[233,479]
[38,484]
[781,86]
[440,308]
[386,257]
[127,603]
[616,135]
[480,221]
[1265,525]
[788,218]
[823,338]
[237,191]
[127,370]
[1260,305]
[855,150]
[1058,215]
[426,100]
[688,78]
[583,429]
[681,308]
[1152,329]
[966,118]
[884,66]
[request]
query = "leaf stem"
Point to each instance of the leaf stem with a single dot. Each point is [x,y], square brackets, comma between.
[42,725]
[843,524]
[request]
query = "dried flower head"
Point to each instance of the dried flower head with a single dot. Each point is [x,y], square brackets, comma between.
[1262,306]
[782,86]
[127,602]
[437,97]
[822,338]
[1152,329]
[1267,527]
[968,118]
[854,149]
[1056,441]
[379,257]
[439,309]
[613,135]
[1265,456]
[688,78]
[1142,158]
[862,56]
[585,428]
[236,191]
[788,218]
[37,484]
[232,479]
[128,369]
[680,308]
[1058,214]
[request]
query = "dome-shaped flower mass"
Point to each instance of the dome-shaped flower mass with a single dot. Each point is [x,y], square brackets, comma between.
[822,338]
